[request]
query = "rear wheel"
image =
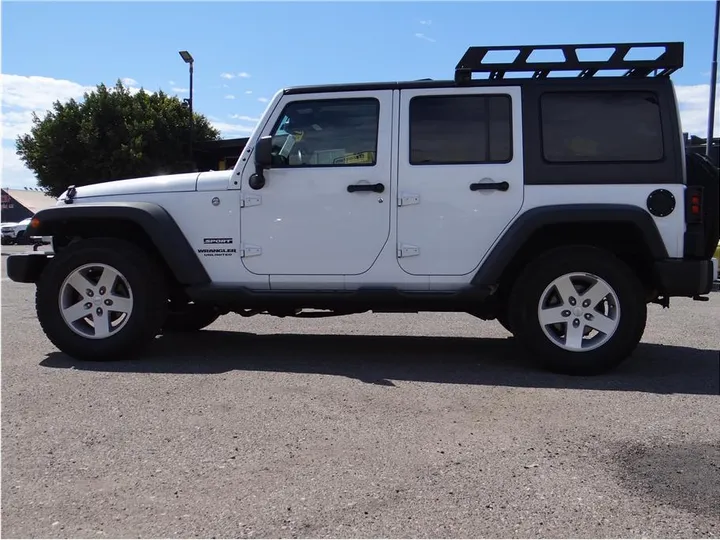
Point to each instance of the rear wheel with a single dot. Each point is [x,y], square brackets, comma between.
[581,310]
[101,299]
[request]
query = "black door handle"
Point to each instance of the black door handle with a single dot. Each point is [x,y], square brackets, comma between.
[377,188]
[500,186]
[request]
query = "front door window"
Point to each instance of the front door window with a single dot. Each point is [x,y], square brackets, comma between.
[337,132]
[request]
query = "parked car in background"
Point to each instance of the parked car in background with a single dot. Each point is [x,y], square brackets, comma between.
[14,233]
[8,232]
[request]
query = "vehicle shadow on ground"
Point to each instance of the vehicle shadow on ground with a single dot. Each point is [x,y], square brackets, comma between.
[383,359]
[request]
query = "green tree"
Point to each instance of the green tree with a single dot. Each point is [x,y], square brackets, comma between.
[112,134]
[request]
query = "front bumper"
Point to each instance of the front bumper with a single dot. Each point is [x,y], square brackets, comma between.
[27,267]
[679,277]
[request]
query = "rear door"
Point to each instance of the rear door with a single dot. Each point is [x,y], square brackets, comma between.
[460,175]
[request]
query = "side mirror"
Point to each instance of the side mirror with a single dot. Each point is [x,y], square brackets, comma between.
[263,160]
[263,152]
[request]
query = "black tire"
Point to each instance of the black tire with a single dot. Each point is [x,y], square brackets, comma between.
[20,238]
[143,275]
[191,318]
[540,273]
[503,319]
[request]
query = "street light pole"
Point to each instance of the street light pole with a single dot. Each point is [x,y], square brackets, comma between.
[713,82]
[187,57]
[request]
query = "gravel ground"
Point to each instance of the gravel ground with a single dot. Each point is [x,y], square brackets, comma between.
[430,425]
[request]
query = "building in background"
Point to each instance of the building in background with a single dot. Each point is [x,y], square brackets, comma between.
[698,146]
[19,204]
[218,155]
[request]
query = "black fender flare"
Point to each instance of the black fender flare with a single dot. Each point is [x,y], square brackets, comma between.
[158,224]
[532,220]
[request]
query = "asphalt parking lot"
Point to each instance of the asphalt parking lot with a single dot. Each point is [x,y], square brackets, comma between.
[426,425]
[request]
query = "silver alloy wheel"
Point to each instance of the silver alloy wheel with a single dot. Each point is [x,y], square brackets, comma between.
[95,301]
[579,311]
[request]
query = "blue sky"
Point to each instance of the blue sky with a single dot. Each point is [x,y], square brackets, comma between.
[55,49]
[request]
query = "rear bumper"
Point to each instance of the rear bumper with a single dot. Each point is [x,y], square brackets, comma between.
[27,267]
[678,277]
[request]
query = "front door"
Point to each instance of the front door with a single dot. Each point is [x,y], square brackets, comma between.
[460,176]
[325,205]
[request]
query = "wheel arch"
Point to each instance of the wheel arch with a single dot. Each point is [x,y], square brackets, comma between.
[146,223]
[627,231]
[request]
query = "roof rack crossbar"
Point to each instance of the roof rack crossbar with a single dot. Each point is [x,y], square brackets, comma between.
[663,65]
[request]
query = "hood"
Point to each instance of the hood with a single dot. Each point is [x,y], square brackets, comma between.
[167,183]
[214,180]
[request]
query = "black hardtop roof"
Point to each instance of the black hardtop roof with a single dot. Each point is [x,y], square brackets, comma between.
[596,82]
[473,61]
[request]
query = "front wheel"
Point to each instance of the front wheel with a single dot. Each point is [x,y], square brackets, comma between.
[101,299]
[580,310]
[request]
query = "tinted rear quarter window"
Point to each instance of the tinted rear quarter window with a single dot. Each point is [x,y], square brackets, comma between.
[601,127]
[447,130]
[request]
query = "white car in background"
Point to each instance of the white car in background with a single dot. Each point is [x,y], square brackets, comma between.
[8,232]
[12,233]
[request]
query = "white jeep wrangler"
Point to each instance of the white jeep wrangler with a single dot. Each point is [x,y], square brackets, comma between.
[560,206]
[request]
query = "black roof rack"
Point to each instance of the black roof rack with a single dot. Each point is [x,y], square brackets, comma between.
[664,65]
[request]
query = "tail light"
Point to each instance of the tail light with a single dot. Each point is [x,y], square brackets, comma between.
[694,210]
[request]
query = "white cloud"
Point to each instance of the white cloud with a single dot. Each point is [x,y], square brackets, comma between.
[21,96]
[33,92]
[16,123]
[172,83]
[244,118]
[248,91]
[420,35]
[14,172]
[427,22]
[128,81]
[242,75]
[694,107]
[229,130]
[178,90]
[226,86]
[229,96]
[263,99]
